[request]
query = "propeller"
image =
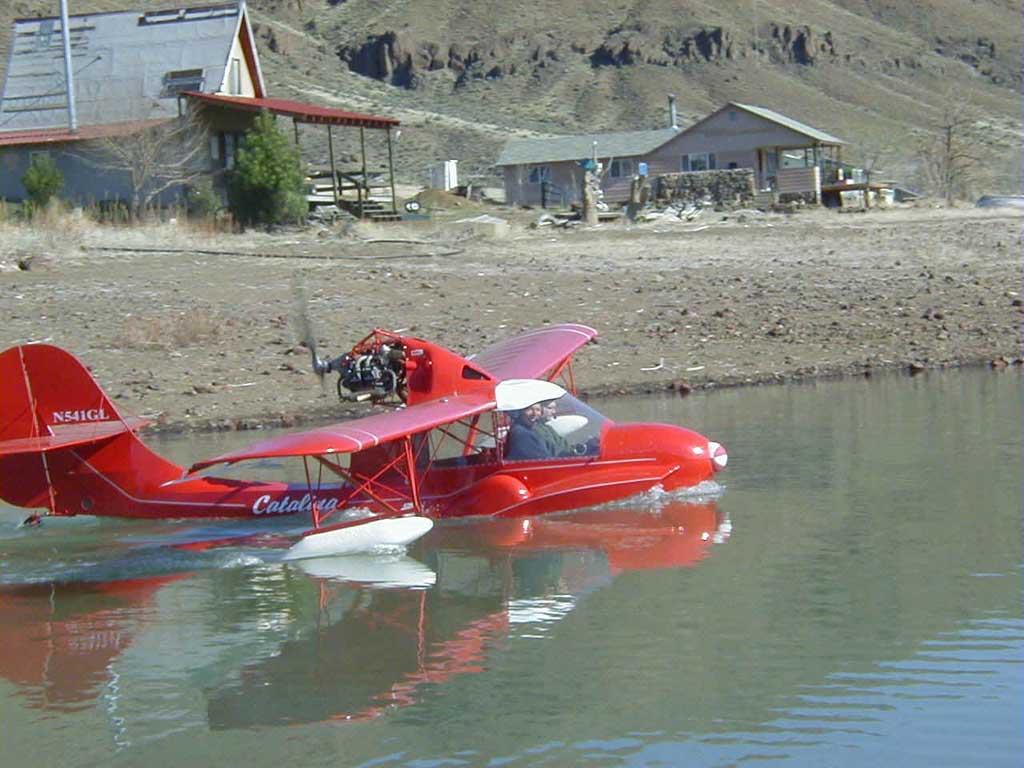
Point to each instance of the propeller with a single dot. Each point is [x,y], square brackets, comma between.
[304,327]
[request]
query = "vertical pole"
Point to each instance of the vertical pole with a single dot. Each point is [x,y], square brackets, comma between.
[391,173]
[295,127]
[410,462]
[363,182]
[334,173]
[69,77]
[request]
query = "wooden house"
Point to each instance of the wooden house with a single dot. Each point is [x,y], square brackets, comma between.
[135,71]
[786,155]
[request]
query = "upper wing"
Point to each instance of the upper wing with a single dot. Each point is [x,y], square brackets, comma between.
[359,434]
[532,354]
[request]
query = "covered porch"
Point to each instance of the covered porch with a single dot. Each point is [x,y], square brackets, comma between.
[798,170]
[365,192]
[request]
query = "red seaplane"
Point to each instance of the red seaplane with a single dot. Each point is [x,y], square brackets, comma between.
[469,436]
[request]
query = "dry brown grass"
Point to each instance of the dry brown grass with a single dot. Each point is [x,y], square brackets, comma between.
[195,326]
[58,233]
[53,233]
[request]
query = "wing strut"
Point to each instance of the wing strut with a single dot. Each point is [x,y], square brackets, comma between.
[565,367]
[368,485]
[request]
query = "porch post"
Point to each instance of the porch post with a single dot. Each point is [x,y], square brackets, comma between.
[334,173]
[295,128]
[363,182]
[391,173]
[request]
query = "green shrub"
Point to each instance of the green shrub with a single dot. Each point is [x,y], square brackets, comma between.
[201,200]
[266,186]
[42,180]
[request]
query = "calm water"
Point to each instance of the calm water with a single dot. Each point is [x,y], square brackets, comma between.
[853,598]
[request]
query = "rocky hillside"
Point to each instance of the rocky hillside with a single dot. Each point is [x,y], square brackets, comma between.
[463,75]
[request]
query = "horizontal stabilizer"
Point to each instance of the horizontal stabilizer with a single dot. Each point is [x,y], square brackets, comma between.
[70,435]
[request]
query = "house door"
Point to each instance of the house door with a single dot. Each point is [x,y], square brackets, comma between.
[767,168]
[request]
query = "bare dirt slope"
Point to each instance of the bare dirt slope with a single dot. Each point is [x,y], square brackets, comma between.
[198,332]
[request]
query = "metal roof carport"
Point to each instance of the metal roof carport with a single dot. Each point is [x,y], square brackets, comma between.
[300,112]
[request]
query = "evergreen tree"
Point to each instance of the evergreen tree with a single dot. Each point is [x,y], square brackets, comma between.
[42,180]
[266,185]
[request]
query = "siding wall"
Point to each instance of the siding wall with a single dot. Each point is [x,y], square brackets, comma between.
[734,130]
[245,76]
[85,182]
[734,135]
[800,181]
[566,180]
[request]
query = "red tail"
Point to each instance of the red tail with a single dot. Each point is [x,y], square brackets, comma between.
[63,444]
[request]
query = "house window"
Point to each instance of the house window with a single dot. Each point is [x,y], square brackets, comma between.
[229,150]
[235,77]
[699,161]
[621,169]
[539,174]
[180,80]
[795,158]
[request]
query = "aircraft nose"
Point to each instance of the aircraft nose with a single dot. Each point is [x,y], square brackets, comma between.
[719,456]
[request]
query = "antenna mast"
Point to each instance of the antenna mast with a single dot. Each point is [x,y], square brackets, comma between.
[65,33]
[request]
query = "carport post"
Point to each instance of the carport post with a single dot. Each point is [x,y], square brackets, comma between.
[334,173]
[391,173]
[364,183]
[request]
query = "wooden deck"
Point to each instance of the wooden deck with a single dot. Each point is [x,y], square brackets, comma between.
[365,197]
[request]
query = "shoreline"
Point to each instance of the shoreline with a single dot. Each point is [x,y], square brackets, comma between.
[196,330]
[342,411]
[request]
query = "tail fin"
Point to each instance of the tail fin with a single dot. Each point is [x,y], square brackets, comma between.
[53,418]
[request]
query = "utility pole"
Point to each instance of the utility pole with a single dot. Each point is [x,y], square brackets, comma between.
[65,33]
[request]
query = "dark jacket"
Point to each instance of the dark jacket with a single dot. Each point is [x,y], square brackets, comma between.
[526,443]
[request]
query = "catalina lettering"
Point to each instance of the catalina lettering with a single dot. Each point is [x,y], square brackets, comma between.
[287,505]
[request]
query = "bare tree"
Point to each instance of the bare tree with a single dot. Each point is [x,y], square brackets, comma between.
[156,158]
[875,153]
[952,155]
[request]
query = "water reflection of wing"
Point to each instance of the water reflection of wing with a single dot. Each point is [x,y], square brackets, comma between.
[387,648]
[378,655]
[58,640]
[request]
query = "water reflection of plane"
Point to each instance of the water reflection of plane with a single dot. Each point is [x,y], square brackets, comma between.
[374,649]
[59,639]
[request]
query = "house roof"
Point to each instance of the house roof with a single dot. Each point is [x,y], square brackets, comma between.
[128,65]
[559,148]
[61,135]
[788,122]
[304,113]
[631,143]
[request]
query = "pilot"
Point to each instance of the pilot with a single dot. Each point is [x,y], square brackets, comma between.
[556,443]
[525,440]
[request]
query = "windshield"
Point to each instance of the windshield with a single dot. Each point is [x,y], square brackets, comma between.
[553,429]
